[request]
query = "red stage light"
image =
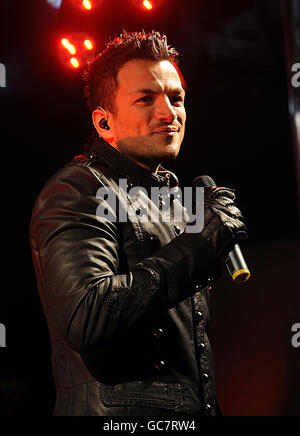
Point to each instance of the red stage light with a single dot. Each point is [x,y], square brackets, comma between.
[147,5]
[74,62]
[88,44]
[87,4]
[80,44]
[70,47]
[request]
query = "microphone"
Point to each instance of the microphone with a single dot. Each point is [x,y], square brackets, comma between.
[234,261]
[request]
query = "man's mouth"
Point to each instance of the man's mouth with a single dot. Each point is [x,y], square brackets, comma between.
[166,131]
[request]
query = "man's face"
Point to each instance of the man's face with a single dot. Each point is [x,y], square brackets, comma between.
[149,124]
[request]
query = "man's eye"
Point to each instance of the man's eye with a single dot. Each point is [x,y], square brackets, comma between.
[177,100]
[146,99]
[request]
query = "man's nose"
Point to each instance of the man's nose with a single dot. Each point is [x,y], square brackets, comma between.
[164,110]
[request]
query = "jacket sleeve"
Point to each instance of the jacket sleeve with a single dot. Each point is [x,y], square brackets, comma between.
[76,258]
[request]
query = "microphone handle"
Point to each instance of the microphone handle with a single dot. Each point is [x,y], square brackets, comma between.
[237,266]
[234,261]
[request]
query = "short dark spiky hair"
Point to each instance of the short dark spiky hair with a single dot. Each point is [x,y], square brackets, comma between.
[102,70]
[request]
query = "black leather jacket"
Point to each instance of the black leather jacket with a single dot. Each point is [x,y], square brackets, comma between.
[126,302]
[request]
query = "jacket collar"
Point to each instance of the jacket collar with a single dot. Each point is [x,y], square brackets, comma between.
[135,174]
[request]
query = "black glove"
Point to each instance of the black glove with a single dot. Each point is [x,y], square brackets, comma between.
[192,258]
[223,221]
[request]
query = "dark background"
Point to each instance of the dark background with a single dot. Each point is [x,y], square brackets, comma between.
[238,131]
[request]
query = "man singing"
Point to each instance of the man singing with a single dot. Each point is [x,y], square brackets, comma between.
[127,300]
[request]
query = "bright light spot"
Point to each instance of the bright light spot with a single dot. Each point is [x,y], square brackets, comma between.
[147,5]
[87,4]
[88,44]
[68,45]
[74,62]
[55,3]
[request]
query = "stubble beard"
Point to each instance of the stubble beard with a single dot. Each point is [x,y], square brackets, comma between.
[149,152]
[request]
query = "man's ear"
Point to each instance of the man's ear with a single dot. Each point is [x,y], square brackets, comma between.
[101,123]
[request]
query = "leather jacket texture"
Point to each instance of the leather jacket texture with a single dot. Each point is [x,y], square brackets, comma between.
[126,300]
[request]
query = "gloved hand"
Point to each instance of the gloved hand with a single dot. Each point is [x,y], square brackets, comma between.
[223,221]
[192,258]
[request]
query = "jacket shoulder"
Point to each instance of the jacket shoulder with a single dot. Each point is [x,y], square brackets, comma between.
[82,171]
[95,163]
[83,160]
[79,178]
[69,195]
